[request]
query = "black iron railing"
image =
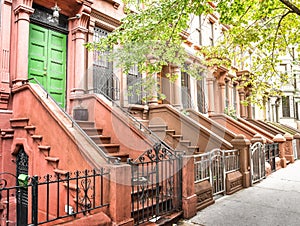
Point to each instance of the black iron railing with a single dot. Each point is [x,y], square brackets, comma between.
[156,178]
[53,197]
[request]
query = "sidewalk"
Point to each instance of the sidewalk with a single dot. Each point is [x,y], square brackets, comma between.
[273,201]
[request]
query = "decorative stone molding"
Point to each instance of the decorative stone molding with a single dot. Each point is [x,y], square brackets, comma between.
[104,21]
[23,12]
[115,3]
[4,98]
[204,194]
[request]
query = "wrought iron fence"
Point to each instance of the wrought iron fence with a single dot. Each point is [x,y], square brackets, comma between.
[232,160]
[202,163]
[271,152]
[52,197]
[202,167]
[156,184]
[213,166]
[257,162]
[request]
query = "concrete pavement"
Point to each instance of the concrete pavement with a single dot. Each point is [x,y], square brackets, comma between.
[273,201]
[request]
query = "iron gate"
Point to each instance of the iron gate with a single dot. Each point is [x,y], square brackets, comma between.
[214,166]
[271,152]
[257,156]
[217,174]
[156,184]
[211,166]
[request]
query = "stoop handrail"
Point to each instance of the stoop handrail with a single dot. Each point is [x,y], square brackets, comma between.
[109,159]
[142,128]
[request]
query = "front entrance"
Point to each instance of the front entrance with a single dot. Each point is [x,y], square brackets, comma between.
[47,60]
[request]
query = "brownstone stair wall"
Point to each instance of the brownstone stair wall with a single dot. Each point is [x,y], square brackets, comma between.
[258,129]
[121,130]
[52,133]
[211,125]
[235,126]
[182,132]
[266,126]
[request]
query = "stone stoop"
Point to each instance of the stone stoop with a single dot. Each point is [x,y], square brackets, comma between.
[103,142]
[176,141]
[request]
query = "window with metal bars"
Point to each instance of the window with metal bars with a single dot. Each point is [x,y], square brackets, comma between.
[100,58]
[134,85]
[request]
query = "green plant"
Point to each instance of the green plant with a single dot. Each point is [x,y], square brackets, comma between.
[230,111]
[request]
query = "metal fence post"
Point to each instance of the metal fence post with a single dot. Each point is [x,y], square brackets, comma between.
[34,207]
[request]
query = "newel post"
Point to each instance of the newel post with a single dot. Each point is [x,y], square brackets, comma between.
[289,153]
[120,195]
[189,198]
[281,143]
[241,143]
[297,138]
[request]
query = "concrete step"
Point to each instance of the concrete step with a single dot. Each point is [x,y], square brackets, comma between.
[92,131]
[19,122]
[110,148]
[100,139]
[30,129]
[86,124]
[156,128]
[37,138]
[122,156]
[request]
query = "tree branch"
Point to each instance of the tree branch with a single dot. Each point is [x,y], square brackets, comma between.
[277,30]
[291,6]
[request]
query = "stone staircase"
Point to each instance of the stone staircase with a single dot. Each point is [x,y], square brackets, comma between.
[104,142]
[176,141]
[36,142]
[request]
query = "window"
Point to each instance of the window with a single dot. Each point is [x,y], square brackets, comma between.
[185,90]
[226,94]
[200,30]
[99,57]
[202,106]
[211,36]
[104,80]
[134,86]
[234,93]
[286,106]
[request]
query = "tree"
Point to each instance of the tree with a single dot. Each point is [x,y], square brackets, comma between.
[154,31]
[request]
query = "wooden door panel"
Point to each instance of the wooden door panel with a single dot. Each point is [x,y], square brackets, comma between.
[57,66]
[37,67]
[47,60]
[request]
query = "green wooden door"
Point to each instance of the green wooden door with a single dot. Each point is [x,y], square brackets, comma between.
[47,60]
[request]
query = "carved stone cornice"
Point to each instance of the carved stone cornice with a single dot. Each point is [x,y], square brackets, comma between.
[105,21]
[23,8]
[115,3]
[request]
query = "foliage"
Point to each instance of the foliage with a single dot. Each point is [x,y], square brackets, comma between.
[230,111]
[151,36]
[146,88]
